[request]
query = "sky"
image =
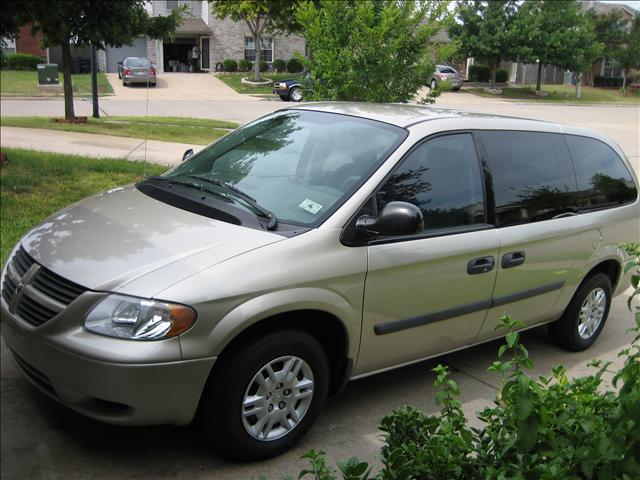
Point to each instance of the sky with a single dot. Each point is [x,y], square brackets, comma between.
[632,3]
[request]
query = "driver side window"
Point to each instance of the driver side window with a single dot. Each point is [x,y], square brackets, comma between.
[442,178]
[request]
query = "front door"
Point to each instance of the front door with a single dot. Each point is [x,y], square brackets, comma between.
[204,54]
[429,293]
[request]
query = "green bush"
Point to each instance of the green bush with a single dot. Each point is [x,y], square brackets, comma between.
[279,65]
[245,65]
[294,65]
[264,66]
[502,75]
[229,65]
[479,73]
[550,428]
[21,61]
[599,81]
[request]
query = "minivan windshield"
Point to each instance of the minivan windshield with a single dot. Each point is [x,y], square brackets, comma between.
[300,165]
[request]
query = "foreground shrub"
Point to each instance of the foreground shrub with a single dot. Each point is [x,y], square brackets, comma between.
[245,65]
[480,73]
[279,65]
[550,428]
[294,66]
[229,65]
[21,61]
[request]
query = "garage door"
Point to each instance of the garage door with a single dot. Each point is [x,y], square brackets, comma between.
[116,54]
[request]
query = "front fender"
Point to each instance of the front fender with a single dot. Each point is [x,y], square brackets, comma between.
[273,303]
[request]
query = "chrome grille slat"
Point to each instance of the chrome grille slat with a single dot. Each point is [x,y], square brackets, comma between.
[45,295]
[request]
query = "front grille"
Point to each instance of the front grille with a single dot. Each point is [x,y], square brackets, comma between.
[48,295]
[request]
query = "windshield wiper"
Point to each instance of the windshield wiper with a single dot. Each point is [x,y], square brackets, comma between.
[252,202]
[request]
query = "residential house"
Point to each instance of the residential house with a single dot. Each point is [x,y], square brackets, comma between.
[215,40]
[25,42]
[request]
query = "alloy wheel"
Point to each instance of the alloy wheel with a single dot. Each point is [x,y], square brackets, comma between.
[592,313]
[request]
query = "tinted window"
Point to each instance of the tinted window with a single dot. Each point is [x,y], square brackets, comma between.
[532,174]
[603,178]
[138,62]
[441,177]
[446,70]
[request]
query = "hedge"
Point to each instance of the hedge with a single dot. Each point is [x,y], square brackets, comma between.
[479,73]
[245,65]
[21,61]
[615,82]
[229,65]
[502,75]
[294,66]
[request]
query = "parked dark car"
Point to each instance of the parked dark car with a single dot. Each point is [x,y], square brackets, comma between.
[288,90]
[445,73]
[137,70]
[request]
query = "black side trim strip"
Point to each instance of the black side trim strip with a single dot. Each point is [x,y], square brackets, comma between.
[396,325]
[404,324]
[532,292]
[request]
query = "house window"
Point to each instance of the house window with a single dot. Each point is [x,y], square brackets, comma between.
[172,5]
[611,68]
[266,49]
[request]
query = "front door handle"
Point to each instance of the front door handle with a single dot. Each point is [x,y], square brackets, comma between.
[480,265]
[513,259]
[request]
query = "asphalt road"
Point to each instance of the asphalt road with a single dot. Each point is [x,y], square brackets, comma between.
[43,440]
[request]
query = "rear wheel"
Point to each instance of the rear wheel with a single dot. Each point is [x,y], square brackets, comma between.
[124,84]
[585,316]
[296,94]
[265,394]
[434,84]
[284,98]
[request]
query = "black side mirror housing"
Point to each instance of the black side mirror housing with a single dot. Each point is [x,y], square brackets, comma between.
[187,153]
[396,218]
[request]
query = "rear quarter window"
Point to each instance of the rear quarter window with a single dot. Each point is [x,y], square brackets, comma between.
[603,178]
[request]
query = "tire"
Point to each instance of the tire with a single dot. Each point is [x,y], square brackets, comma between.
[231,426]
[153,84]
[434,84]
[295,94]
[585,316]
[124,84]
[285,98]
[119,75]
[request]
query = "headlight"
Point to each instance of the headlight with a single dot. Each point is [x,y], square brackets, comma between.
[139,319]
[283,86]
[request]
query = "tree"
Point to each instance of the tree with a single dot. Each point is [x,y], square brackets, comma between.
[486,29]
[260,16]
[557,33]
[628,52]
[85,22]
[370,51]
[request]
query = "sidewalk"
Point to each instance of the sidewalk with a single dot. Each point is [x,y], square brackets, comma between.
[92,145]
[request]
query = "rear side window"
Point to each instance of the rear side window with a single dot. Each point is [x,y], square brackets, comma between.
[441,177]
[532,176]
[603,178]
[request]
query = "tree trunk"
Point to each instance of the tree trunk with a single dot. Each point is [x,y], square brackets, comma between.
[69,113]
[256,63]
[494,69]
[539,80]
[624,81]
[579,85]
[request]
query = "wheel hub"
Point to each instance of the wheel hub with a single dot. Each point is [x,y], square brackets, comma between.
[592,313]
[277,398]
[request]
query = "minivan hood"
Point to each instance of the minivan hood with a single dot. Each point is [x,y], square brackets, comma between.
[110,240]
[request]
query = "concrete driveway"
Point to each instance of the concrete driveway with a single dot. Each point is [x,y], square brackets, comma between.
[177,87]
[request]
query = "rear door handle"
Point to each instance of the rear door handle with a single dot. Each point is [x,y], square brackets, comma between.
[513,259]
[480,265]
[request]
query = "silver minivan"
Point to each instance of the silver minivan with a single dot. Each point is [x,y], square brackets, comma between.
[316,245]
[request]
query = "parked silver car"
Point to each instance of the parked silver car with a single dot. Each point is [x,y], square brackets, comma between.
[316,245]
[137,70]
[445,73]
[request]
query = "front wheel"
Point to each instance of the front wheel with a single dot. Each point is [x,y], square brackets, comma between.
[585,316]
[296,94]
[284,98]
[264,395]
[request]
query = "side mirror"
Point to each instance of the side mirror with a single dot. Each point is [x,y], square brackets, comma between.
[396,218]
[187,153]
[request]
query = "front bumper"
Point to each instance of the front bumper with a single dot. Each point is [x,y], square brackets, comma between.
[130,383]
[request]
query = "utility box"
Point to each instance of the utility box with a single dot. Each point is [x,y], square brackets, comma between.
[48,74]
[568,78]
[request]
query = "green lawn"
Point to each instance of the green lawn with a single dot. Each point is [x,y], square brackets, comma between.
[15,83]
[33,185]
[563,94]
[233,80]
[197,131]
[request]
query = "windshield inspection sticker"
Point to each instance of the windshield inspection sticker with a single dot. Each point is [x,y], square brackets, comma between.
[310,206]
